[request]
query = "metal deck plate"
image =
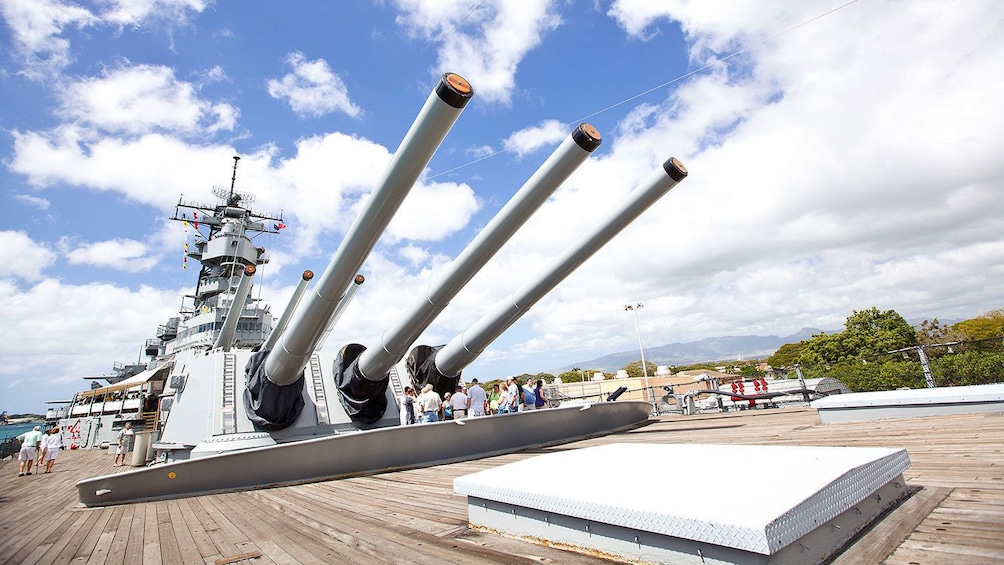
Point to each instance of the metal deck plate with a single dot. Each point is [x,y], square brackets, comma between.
[939,401]
[756,499]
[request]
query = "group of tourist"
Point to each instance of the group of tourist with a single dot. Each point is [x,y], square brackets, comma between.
[470,402]
[39,447]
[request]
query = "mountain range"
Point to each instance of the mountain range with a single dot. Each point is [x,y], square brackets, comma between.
[709,349]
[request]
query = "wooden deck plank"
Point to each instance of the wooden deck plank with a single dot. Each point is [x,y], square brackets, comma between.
[881,540]
[170,542]
[64,548]
[261,522]
[86,547]
[414,515]
[134,543]
[117,550]
[197,530]
[151,536]
[189,551]
[25,544]
[347,530]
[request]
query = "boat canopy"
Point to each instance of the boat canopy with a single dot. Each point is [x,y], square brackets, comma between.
[134,381]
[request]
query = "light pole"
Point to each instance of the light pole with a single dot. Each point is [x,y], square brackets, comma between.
[641,348]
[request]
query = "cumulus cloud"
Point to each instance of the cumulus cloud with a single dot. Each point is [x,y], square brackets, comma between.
[120,254]
[33,201]
[141,99]
[22,257]
[311,89]
[489,43]
[146,169]
[46,321]
[529,140]
[36,26]
[138,12]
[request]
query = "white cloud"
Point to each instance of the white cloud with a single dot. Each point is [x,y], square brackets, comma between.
[529,140]
[47,321]
[433,211]
[144,98]
[312,89]
[138,12]
[818,162]
[36,26]
[22,257]
[34,201]
[148,169]
[120,254]
[489,44]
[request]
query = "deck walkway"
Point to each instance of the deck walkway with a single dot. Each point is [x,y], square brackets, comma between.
[956,515]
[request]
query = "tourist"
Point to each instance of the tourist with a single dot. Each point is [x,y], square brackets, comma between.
[429,404]
[529,400]
[55,443]
[407,408]
[460,402]
[494,397]
[122,445]
[477,400]
[514,395]
[29,449]
[42,448]
[538,394]
[447,407]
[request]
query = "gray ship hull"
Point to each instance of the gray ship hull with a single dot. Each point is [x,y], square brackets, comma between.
[362,453]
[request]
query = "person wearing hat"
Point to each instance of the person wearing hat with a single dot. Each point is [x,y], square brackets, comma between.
[429,404]
[460,403]
[29,444]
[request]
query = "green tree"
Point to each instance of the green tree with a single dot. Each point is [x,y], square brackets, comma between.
[933,332]
[969,368]
[787,355]
[576,375]
[634,368]
[871,332]
[750,371]
[867,334]
[984,326]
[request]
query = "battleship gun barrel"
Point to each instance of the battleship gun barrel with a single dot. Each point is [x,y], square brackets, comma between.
[225,339]
[340,309]
[465,348]
[286,362]
[376,362]
[287,313]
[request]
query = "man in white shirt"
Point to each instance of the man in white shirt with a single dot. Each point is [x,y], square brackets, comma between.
[459,401]
[429,403]
[477,400]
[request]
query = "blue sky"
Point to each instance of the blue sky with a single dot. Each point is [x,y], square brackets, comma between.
[847,157]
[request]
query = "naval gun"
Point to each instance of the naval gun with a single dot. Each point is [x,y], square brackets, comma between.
[275,379]
[362,373]
[336,415]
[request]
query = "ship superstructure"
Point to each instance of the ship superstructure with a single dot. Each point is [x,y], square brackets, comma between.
[225,249]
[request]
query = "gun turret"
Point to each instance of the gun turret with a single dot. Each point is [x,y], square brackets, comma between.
[275,378]
[225,339]
[362,377]
[443,366]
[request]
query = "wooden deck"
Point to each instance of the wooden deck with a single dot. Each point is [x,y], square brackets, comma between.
[956,515]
